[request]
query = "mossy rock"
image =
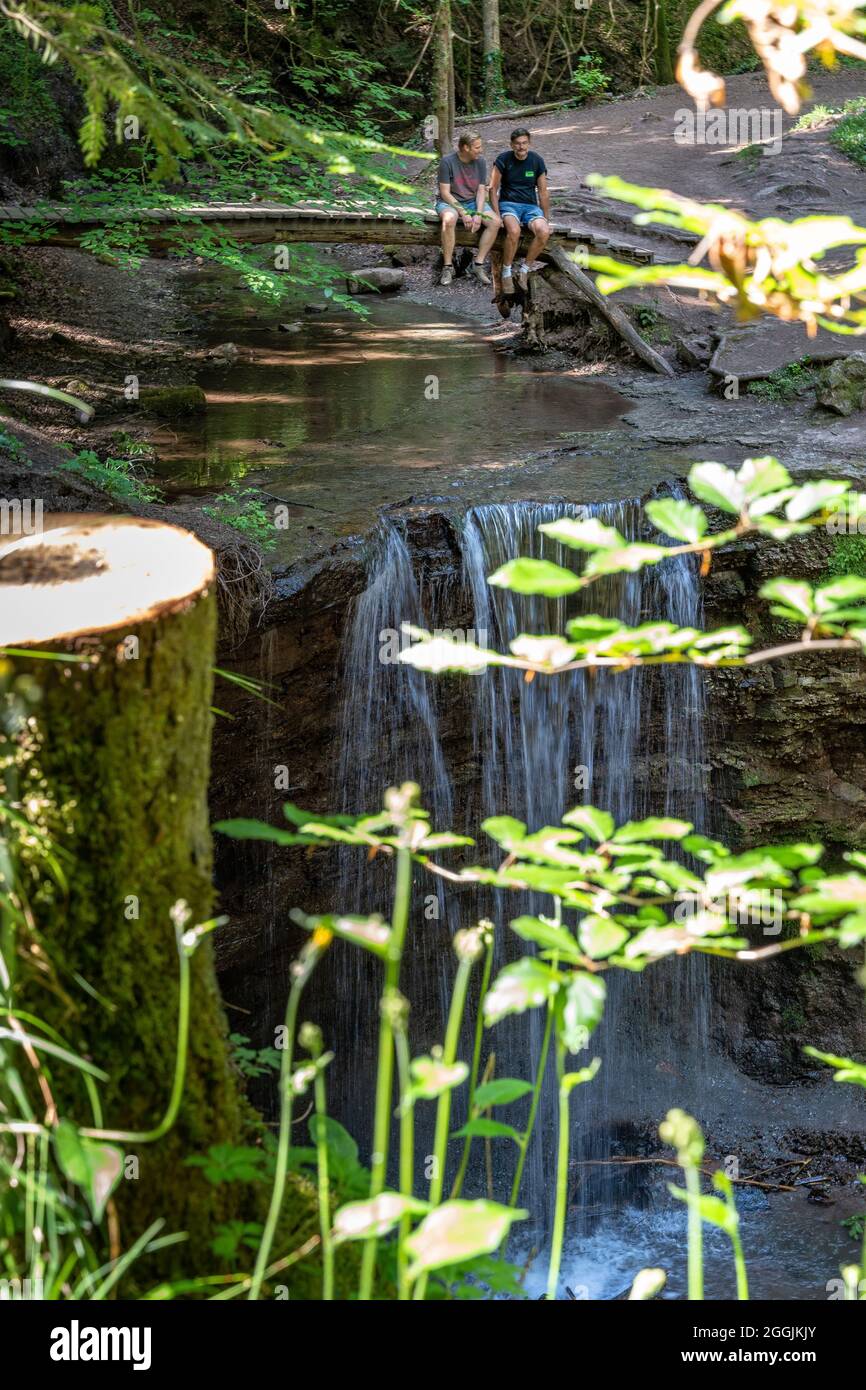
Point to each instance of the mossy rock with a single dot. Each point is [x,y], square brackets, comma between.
[172,402]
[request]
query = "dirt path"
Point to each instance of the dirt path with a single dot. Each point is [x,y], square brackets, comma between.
[635,139]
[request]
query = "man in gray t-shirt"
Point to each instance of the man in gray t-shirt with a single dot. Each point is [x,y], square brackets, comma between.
[462,193]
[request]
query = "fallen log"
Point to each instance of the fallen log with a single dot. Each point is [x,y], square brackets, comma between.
[615,317]
[515,115]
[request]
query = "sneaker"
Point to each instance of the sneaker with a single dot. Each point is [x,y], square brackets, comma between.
[507,282]
[447,276]
[523,277]
[480,273]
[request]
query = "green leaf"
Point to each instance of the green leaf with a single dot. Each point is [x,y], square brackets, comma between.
[546,934]
[260,830]
[458,1231]
[712,1209]
[678,519]
[813,497]
[846,1070]
[832,897]
[601,936]
[483,1128]
[431,1077]
[708,851]
[646,1284]
[654,828]
[93,1166]
[376,1217]
[795,598]
[589,629]
[760,476]
[624,560]
[581,1007]
[598,825]
[527,984]
[714,483]
[372,933]
[848,588]
[505,830]
[580,1077]
[526,576]
[586,534]
[501,1092]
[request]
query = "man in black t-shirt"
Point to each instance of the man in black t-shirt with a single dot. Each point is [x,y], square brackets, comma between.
[519,195]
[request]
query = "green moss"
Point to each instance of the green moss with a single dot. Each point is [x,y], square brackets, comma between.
[848,556]
[786,382]
[173,401]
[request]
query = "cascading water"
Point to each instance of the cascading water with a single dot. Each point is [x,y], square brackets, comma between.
[631,743]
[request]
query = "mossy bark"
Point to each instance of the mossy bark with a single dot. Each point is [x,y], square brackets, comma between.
[121,755]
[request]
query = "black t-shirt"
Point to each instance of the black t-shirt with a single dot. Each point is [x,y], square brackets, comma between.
[519,176]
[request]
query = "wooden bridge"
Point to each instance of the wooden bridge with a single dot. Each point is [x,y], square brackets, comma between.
[317,222]
[263,222]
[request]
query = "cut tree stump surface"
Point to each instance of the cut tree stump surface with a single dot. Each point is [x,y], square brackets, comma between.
[97,574]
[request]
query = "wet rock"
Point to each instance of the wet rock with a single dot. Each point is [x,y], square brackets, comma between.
[406,255]
[376,280]
[694,351]
[843,386]
[170,402]
[316,308]
[289,327]
[224,352]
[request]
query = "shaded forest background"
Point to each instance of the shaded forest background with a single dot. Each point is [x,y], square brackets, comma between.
[360,65]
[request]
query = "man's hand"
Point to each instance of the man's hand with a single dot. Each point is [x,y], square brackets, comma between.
[466,220]
[476,222]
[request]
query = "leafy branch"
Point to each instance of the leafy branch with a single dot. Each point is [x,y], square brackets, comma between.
[191,110]
[764,267]
[764,500]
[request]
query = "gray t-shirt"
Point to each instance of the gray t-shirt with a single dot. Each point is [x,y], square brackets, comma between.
[463,178]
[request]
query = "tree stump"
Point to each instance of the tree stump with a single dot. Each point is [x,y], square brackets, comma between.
[117,761]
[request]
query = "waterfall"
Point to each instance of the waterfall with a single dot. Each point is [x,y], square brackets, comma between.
[627,742]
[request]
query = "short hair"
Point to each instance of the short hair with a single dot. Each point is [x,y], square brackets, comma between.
[521,130]
[467,139]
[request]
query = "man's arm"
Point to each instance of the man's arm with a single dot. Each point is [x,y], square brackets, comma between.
[495,182]
[447,197]
[544,195]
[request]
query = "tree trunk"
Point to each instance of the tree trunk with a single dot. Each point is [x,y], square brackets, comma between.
[121,756]
[443,80]
[614,316]
[494,84]
[663,62]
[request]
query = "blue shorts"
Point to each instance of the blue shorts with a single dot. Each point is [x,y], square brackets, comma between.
[469,208]
[524,212]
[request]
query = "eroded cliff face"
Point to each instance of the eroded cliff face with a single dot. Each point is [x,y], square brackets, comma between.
[788,764]
[785,754]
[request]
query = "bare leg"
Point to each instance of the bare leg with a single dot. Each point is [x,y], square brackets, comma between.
[449,224]
[488,235]
[540,236]
[512,238]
